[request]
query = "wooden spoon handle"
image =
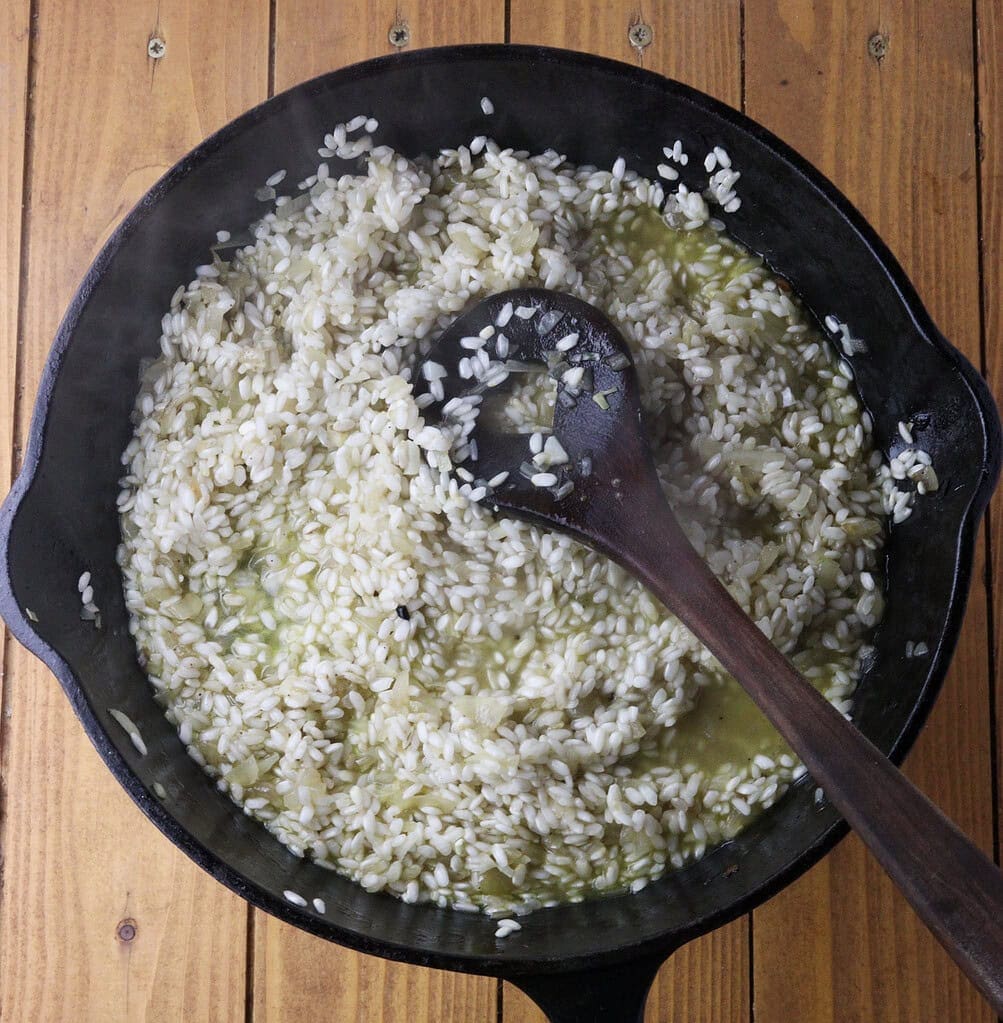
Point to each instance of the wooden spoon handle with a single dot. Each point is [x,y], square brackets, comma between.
[956,890]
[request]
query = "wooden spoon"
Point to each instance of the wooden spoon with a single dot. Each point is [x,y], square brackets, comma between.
[608,496]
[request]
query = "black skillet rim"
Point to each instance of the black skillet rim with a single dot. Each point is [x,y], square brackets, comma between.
[496,965]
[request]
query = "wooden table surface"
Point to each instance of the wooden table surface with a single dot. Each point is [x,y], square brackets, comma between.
[900,103]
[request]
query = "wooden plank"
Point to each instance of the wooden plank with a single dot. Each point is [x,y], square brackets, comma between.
[312,36]
[14,45]
[895,132]
[299,977]
[699,44]
[101,918]
[990,66]
[14,31]
[294,972]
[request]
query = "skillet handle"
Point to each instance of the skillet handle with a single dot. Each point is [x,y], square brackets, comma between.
[611,994]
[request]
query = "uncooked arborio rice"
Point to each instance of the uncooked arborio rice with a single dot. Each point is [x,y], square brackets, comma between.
[434,701]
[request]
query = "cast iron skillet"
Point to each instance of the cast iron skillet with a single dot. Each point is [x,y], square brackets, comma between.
[592,961]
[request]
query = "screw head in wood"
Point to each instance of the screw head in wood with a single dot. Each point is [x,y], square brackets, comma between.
[640,35]
[877,46]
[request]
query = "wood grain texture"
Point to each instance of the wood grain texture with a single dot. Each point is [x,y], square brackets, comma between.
[294,973]
[299,977]
[314,36]
[699,44]
[811,77]
[79,861]
[990,80]
[14,33]
[14,44]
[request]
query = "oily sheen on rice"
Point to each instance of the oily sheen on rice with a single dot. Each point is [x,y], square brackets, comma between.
[431,700]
